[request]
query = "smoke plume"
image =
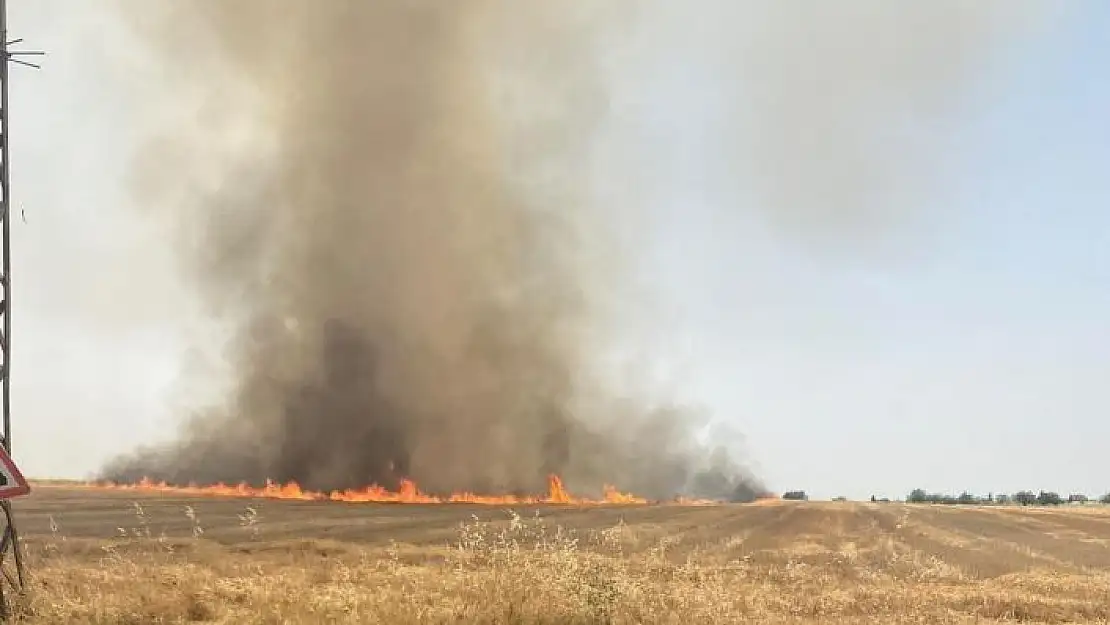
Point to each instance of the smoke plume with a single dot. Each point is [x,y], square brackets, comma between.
[388,203]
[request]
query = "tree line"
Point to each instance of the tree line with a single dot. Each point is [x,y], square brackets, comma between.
[1022,498]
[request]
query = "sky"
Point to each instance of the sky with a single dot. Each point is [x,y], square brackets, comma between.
[965,347]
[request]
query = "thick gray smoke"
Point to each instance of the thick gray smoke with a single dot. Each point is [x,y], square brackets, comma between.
[393,214]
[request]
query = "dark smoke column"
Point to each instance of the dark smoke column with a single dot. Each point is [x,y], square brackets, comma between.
[407,252]
[345,413]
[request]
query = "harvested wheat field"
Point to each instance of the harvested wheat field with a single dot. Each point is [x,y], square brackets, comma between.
[113,557]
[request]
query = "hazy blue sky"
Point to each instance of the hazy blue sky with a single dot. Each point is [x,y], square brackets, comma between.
[965,346]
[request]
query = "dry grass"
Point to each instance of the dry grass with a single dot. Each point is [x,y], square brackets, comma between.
[846,566]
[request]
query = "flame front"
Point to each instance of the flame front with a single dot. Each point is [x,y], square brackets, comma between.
[408,492]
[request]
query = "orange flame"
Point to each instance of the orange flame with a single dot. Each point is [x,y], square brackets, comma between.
[407,492]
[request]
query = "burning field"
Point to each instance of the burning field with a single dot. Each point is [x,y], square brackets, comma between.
[407,493]
[406,400]
[408,267]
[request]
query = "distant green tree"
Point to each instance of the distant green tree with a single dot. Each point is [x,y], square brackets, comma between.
[917,495]
[1049,498]
[967,498]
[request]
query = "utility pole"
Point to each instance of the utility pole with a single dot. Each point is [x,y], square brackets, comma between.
[10,541]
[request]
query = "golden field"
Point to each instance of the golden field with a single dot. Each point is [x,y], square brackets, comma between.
[100,557]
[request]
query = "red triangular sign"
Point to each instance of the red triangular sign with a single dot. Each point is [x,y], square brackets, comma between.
[12,482]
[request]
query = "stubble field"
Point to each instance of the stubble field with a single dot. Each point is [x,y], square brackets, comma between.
[112,557]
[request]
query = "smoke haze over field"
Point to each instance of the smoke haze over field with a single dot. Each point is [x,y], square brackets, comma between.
[841,119]
[851,103]
[390,204]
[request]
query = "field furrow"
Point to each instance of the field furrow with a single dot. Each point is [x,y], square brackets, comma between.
[115,558]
